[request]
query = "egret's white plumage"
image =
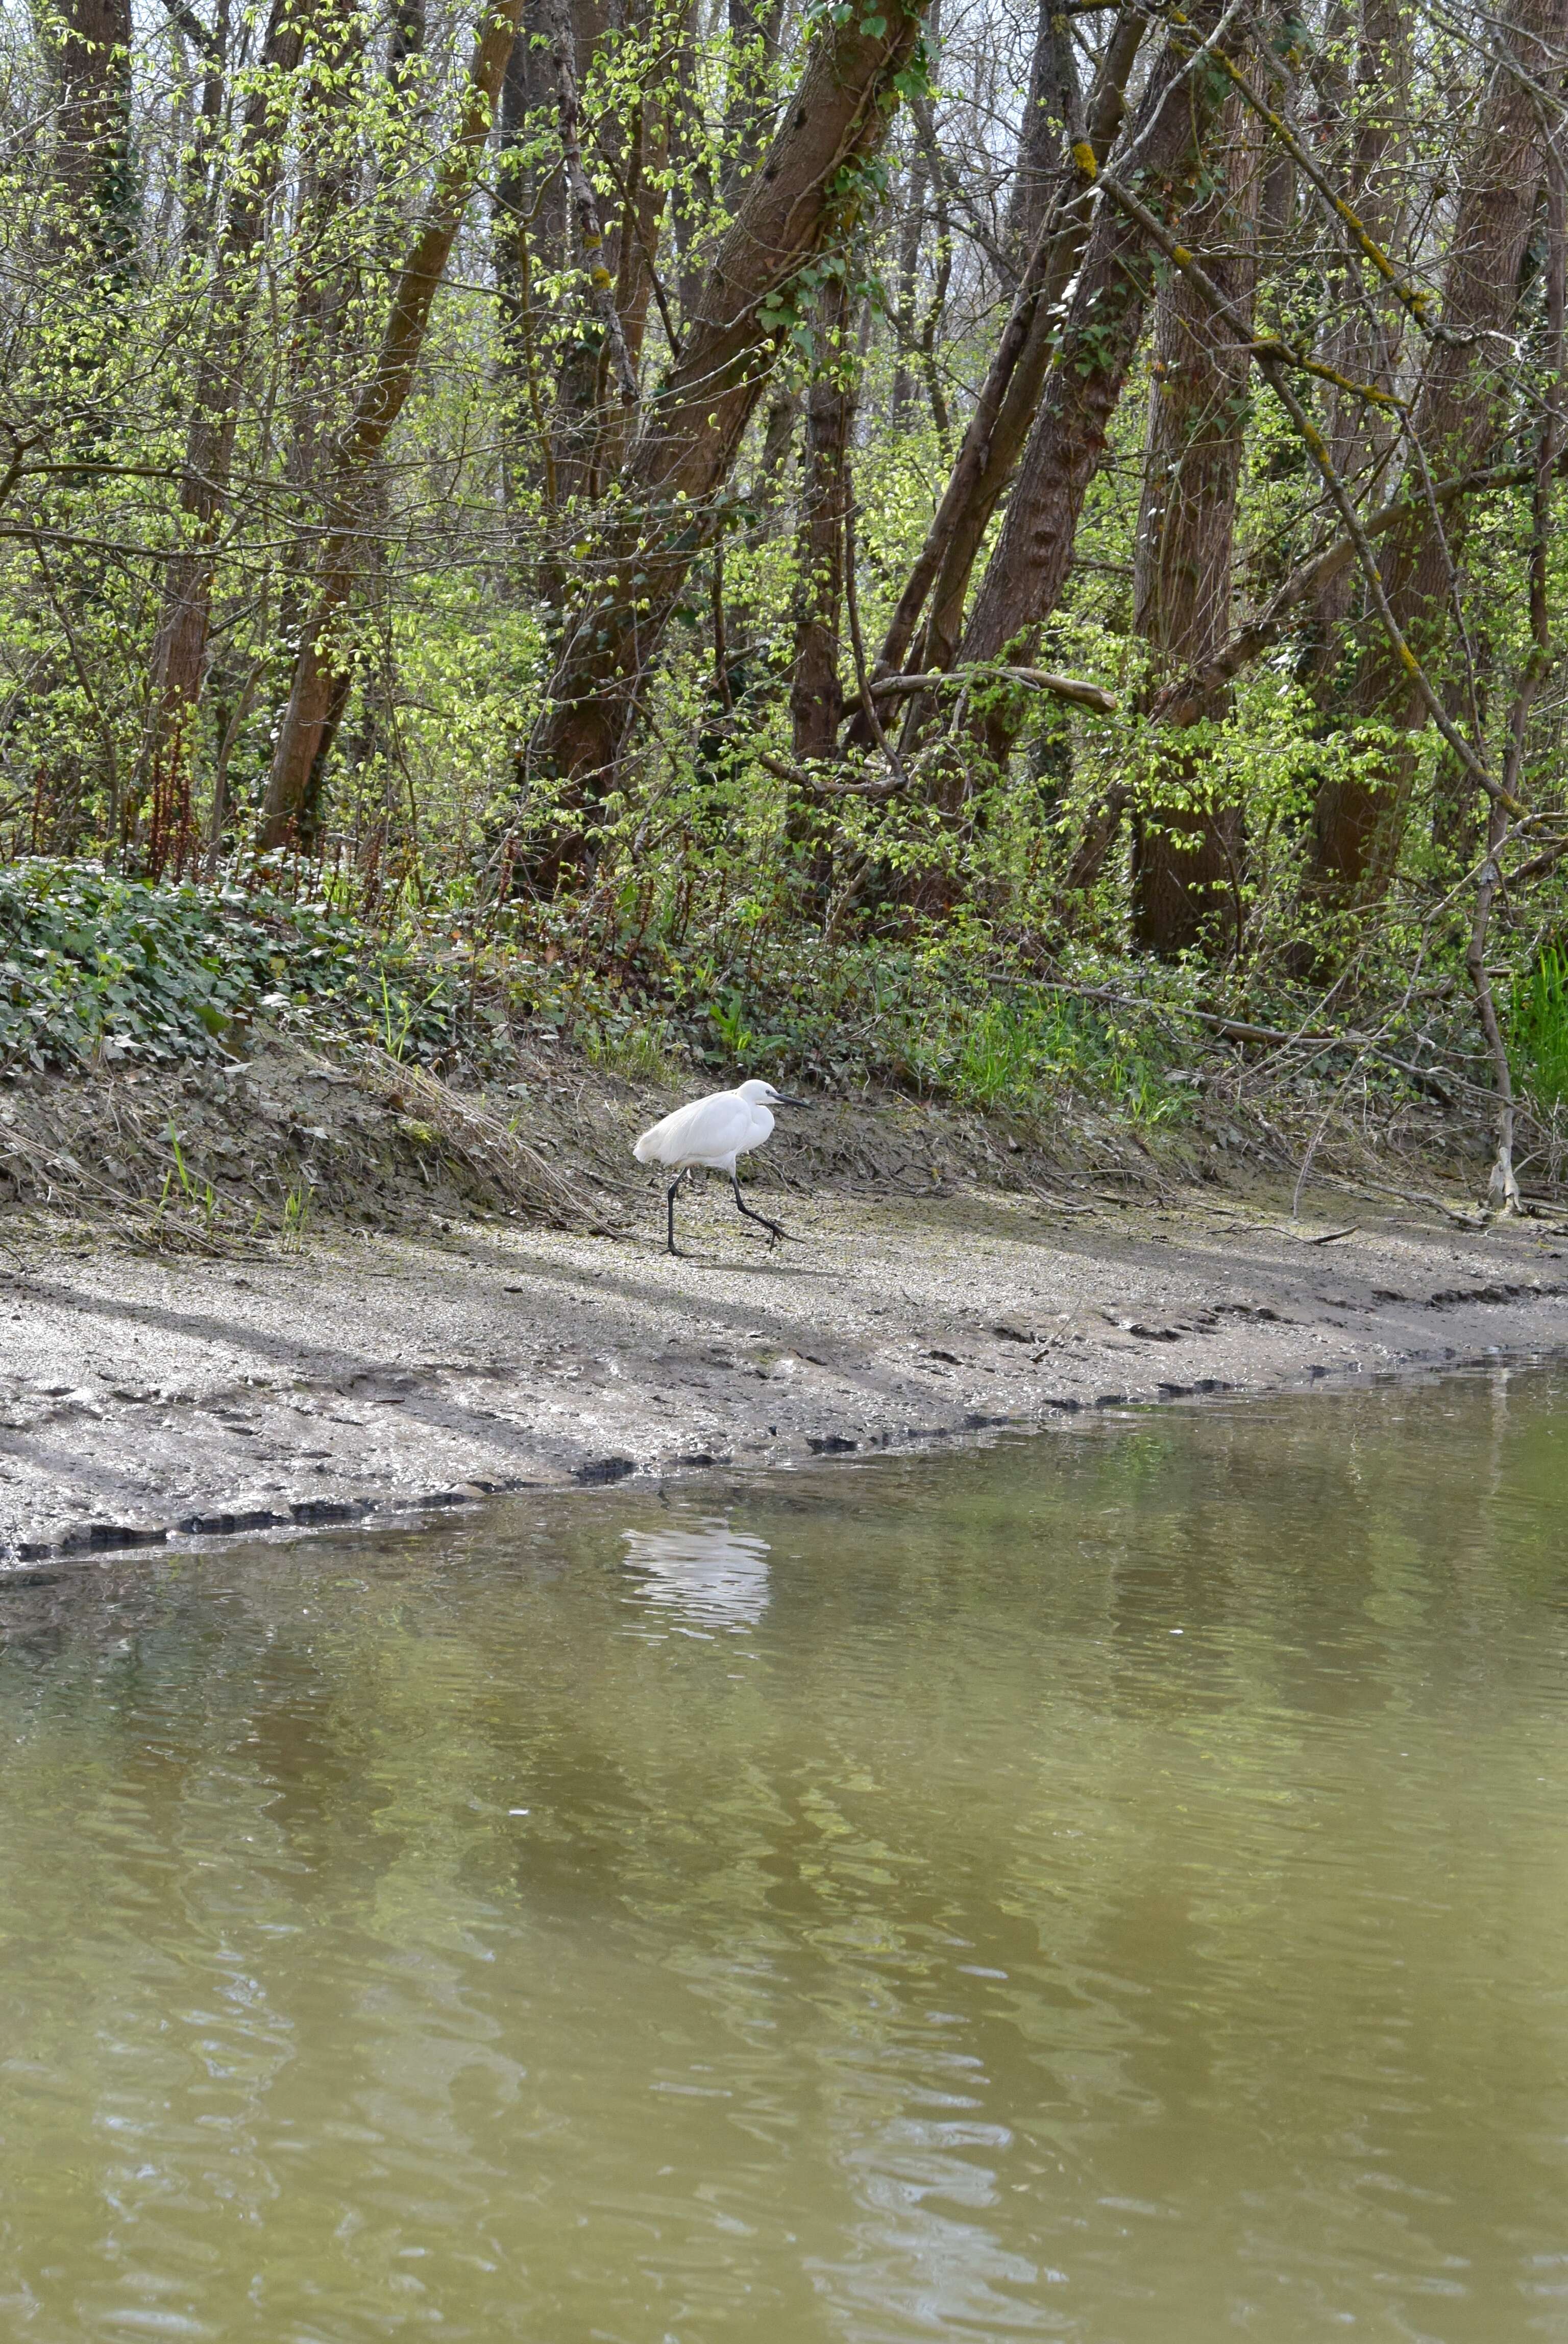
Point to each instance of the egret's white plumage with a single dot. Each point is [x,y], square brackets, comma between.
[711,1132]
[709,1135]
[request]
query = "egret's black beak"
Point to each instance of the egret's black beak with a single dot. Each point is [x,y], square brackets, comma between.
[779,1100]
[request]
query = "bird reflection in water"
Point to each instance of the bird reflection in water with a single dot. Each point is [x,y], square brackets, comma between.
[711,1575]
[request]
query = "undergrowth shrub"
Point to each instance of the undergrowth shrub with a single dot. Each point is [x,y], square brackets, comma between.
[1021,1051]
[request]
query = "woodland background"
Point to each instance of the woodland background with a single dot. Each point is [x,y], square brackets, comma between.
[889,540]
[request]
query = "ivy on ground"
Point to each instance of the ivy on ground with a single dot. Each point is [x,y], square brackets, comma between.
[94,967]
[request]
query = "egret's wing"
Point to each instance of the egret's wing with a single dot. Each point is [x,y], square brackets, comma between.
[660,1144]
[719,1126]
[761,1124]
[708,1129]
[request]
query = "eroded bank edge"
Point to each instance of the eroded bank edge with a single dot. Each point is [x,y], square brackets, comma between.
[27,1563]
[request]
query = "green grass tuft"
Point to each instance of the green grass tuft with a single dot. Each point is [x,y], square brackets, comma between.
[1539,1029]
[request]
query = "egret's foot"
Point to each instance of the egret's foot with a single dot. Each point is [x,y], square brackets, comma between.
[773,1228]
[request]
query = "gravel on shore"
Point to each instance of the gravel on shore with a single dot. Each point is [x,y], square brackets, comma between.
[169,1401]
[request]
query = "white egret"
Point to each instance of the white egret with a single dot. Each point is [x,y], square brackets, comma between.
[708,1135]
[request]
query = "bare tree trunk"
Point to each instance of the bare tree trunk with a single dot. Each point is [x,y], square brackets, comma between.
[91,55]
[816,699]
[530,229]
[808,188]
[1358,828]
[911,234]
[1165,143]
[1362,341]
[1052,121]
[319,667]
[179,648]
[942,275]
[1505,1182]
[1186,854]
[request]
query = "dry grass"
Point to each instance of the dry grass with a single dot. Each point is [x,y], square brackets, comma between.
[488,1147]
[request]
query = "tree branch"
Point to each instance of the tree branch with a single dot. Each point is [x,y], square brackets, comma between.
[1037,679]
[1274,369]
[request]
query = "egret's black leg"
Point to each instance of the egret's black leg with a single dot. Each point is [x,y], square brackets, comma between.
[670,1212]
[771,1227]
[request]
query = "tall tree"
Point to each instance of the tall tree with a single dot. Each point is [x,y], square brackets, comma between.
[179,647]
[1010,392]
[1358,824]
[329,167]
[89,43]
[1187,844]
[642,179]
[809,187]
[1363,326]
[1051,120]
[815,696]
[319,662]
[1161,151]
[530,228]
[752,66]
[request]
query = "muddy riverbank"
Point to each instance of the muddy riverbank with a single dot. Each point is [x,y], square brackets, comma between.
[147,1399]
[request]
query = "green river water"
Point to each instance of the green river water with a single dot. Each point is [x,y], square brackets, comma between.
[1111,1887]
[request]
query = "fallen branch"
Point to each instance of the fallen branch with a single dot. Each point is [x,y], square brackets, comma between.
[1361,1185]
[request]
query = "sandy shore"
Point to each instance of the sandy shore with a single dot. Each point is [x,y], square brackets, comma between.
[145,1400]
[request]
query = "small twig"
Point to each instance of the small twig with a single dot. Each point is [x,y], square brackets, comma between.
[851,600]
